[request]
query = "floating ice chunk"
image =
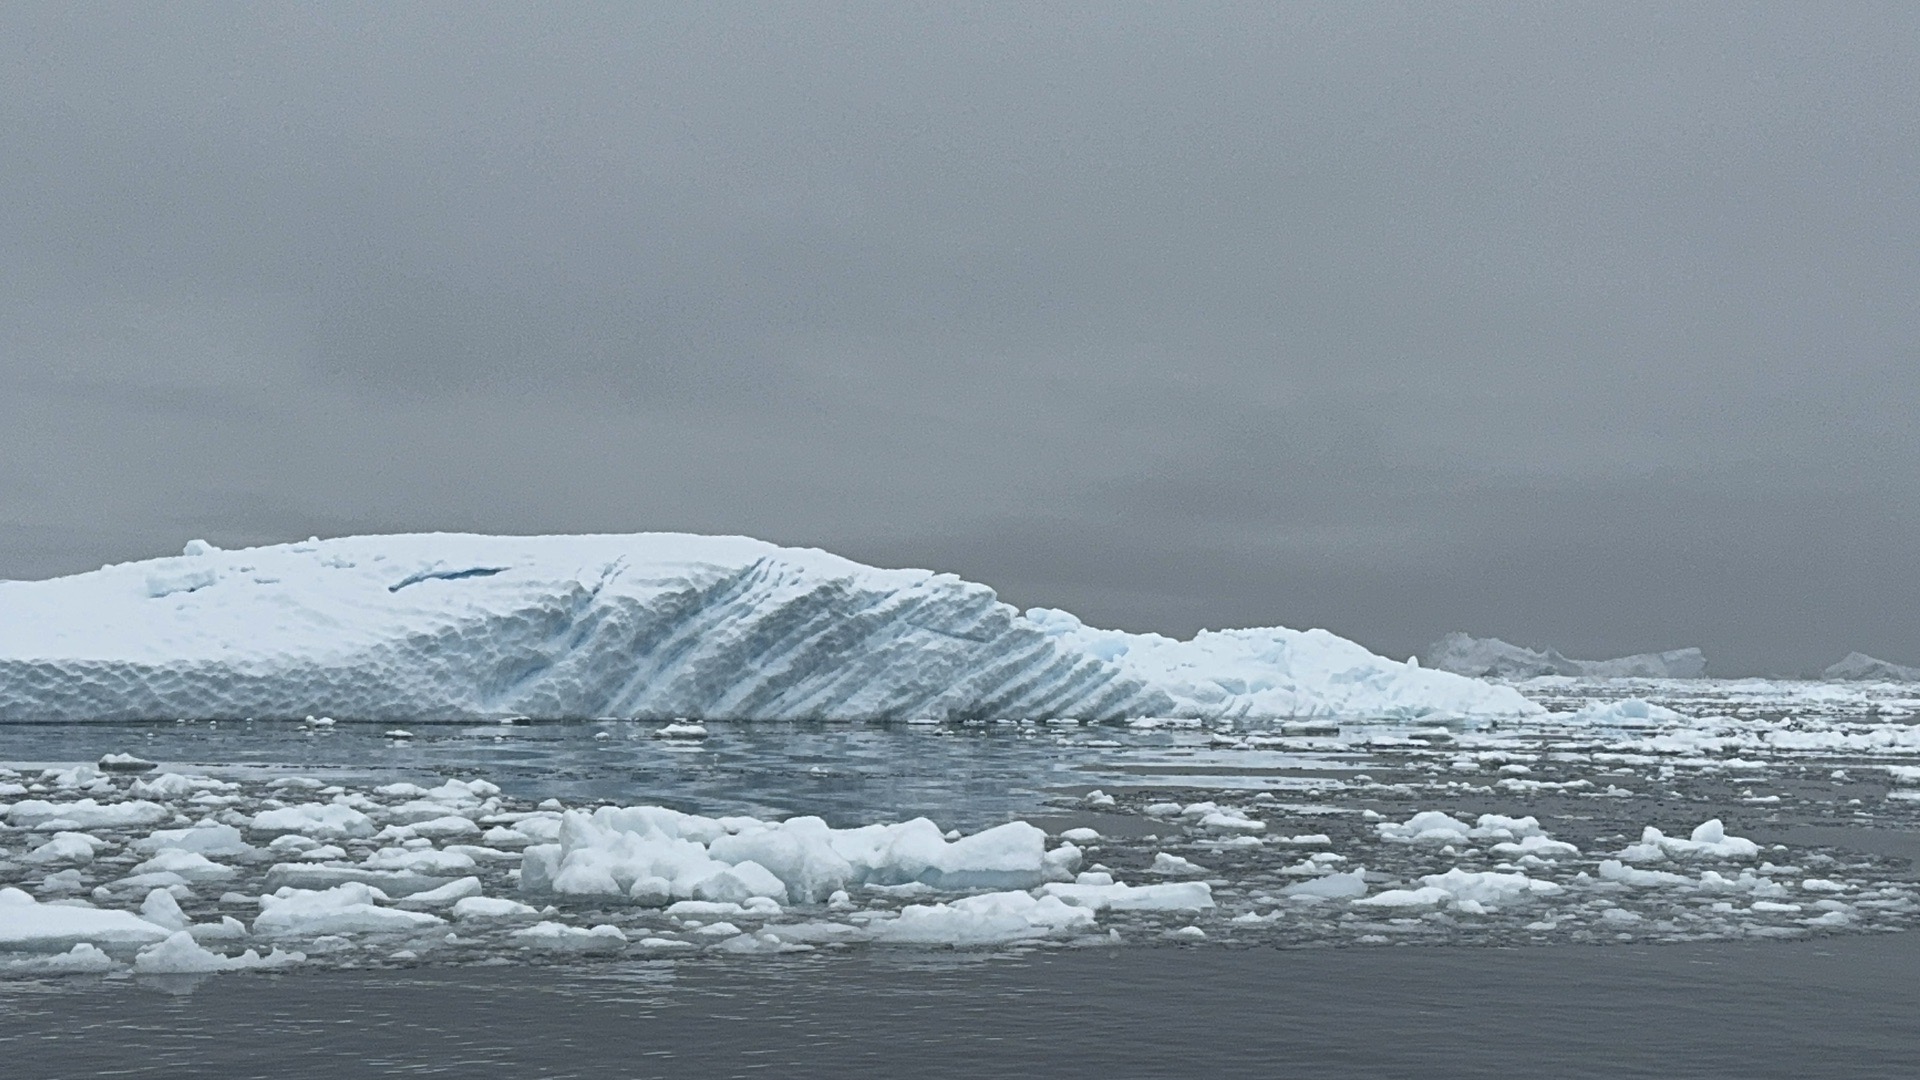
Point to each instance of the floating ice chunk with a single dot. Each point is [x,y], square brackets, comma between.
[294,783]
[1230,821]
[1708,841]
[1188,933]
[227,929]
[420,861]
[126,763]
[1081,835]
[490,908]
[1490,887]
[449,827]
[1097,800]
[1536,845]
[1305,840]
[1164,863]
[1338,886]
[559,937]
[190,865]
[1426,896]
[1615,870]
[606,852]
[164,786]
[161,909]
[987,919]
[64,881]
[88,814]
[180,954]
[326,821]
[64,847]
[802,853]
[1168,896]
[25,923]
[206,838]
[82,959]
[681,731]
[350,908]
[317,877]
[1426,827]
[502,837]
[451,893]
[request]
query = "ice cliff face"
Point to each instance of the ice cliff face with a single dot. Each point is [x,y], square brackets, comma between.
[430,626]
[1859,667]
[1465,654]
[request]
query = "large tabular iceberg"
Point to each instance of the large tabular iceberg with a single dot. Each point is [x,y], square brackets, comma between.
[1859,667]
[654,625]
[1465,654]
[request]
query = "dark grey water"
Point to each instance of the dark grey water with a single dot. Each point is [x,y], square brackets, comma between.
[1839,1004]
[1839,1007]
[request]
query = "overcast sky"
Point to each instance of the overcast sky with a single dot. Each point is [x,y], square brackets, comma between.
[1590,326]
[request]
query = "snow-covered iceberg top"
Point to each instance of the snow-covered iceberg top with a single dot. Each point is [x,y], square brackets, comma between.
[1465,654]
[653,625]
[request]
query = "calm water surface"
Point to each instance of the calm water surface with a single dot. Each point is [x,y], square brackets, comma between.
[1841,1007]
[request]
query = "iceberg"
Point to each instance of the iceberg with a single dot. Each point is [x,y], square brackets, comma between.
[1859,667]
[652,626]
[1464,654]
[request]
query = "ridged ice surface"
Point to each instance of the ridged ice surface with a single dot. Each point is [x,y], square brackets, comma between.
[652,625]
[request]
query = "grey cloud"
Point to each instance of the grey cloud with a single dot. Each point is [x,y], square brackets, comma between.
[1594,325]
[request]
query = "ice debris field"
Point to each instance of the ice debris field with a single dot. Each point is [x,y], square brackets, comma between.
[1617,820]
[658,626]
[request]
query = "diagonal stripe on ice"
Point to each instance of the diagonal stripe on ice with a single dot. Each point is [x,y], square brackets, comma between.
[653,625]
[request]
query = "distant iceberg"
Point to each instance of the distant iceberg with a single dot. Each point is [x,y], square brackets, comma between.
[651,626]
[1465,654]
[1859,667]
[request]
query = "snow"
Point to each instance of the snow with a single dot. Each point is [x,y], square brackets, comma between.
[669,627]
[1465,654]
